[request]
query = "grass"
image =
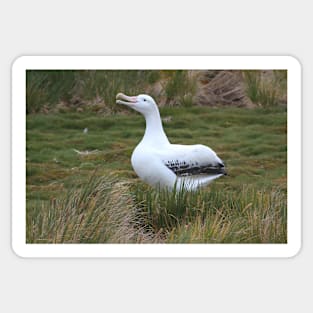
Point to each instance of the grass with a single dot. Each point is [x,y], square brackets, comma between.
[107,209]
[101,211]
[69,201]
[265,92]
[48,88]
[247,216]
[68,90]
[181,88]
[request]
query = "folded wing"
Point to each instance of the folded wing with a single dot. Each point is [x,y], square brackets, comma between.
[194,160]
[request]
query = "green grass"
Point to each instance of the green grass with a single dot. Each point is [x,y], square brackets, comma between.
[265,92]
[92,90]
[180,88]
[47,88]
[94,196]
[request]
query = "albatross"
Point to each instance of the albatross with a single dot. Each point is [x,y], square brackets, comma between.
[162,164]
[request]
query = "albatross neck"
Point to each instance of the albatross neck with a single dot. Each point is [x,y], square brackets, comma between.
[154,133]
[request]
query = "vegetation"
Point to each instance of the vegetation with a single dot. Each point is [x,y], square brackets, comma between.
[266,91]
[48,88]
[101,211]
[107,209]
[81,187]
[68,90]
[181,87]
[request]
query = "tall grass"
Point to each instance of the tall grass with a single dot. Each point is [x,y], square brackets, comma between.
[181,88]
[48,88]
[107,210]
[45,88]
[101,212]
[217,216]
[265,92]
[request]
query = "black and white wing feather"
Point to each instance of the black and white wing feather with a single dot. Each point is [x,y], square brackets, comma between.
[194,160]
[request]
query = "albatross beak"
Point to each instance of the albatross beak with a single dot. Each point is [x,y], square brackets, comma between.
[128,100]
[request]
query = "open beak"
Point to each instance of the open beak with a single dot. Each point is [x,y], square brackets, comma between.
[123,99]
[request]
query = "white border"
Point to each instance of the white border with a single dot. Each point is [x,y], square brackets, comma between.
[154,250]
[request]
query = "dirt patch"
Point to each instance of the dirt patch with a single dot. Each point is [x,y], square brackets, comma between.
[226,88]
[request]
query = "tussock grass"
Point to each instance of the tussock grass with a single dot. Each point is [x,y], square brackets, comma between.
[266,91]
[217,216]
[102,211]
[181,88]
[65,89]
[47,88]
[95,90]
[108,210]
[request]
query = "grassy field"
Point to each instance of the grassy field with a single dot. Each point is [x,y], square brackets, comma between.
[81,187]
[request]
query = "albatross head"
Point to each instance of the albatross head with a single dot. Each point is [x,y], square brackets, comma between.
[141,103]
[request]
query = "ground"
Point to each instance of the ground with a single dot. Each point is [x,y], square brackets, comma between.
[61,157]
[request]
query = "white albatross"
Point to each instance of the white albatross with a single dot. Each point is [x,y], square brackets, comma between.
[162,164]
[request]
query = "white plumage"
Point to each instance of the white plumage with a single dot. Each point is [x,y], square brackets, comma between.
[162,164]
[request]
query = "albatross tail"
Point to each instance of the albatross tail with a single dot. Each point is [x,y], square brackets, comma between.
[192,183]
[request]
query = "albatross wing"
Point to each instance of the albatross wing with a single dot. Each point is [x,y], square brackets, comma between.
[194,165]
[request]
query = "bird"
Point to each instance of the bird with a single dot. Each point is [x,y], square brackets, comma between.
[164,165]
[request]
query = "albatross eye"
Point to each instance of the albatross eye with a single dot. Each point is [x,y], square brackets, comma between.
[144,99]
